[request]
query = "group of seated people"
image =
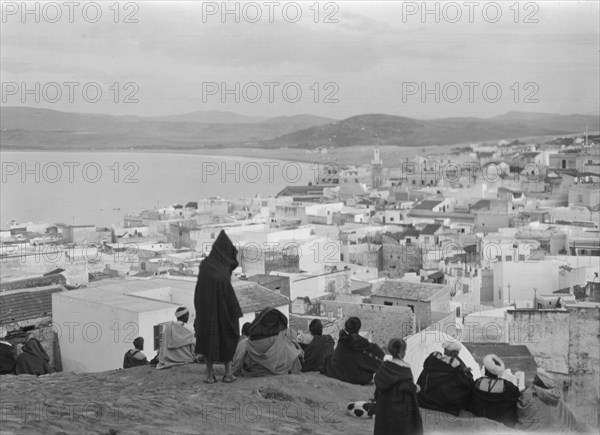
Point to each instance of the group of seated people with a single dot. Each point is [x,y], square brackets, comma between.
[29,359]
[446,384]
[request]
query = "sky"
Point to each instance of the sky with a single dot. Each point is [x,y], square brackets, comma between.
[332,59]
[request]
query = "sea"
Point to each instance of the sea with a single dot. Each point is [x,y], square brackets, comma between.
[99,188]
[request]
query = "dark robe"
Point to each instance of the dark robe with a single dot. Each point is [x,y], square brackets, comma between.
[34,360]
[354,360]
[268,323]
[501,406]
[316,351]
[8,359]
[129,360]
[443,387]
[218,311]
[396,408]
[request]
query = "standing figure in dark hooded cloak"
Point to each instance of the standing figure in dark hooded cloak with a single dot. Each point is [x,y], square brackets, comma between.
[218,311]
[396,410]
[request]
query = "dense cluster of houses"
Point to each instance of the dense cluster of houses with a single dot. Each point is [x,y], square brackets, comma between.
[482,235]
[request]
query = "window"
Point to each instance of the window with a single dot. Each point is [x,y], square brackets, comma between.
[499,258]
[564,164]
[212,235]
[341,257]
[465,288]
[580,198]
[391,219]
[500,294]
[508,258]
[387,303]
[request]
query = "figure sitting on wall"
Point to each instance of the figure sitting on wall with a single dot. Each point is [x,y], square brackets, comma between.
[34,359]
[8,354]
[493,397]
[354,360]
[541,407]
[135,357]
[268,349]
[178,341]
[318,349]
[445,381]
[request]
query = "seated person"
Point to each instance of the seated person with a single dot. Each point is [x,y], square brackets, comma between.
[541,407]
[33,360]
[354,360]
[178,341]
[268,349]
[445,381]
[8,355]
[318,349]
[493,397]
[135,357]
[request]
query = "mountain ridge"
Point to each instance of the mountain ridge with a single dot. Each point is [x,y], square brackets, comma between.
[32,128]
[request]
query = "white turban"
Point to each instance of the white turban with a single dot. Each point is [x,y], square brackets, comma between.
[3,332]
[452,346]
[181,313]
[493,364]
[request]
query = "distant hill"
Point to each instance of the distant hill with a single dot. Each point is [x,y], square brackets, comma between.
[28,128]
[210,117]
[377,129]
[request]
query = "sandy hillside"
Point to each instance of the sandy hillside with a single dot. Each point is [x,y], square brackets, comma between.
[147,401]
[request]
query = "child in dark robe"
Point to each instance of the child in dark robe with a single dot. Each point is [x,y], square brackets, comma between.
[396,410]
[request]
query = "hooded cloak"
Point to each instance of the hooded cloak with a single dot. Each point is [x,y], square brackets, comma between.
[444,387]
[268,350]
[134,358]
[543,410]
[396,409]
[354,360]
[34,360]
[316,351]
[176,346]
[218,311]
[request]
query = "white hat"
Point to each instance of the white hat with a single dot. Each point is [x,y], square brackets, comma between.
[3,332]
[452,346]
[493,364]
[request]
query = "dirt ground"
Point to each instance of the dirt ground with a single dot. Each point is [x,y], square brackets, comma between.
[174,401]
